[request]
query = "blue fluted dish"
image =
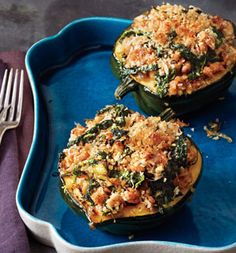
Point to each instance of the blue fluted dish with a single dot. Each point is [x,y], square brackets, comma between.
[71,79]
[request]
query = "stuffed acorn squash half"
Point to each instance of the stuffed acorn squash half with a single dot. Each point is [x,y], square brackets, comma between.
[124,171]
[175,57]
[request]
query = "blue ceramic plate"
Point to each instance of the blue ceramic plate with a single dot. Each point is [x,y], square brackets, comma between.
[71,79]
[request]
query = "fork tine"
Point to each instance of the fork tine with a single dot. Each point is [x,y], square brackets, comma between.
[13,100]
[4,81]
[20,97]
[4,111]
[8,89]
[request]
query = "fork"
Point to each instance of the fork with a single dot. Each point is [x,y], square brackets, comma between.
[11,99]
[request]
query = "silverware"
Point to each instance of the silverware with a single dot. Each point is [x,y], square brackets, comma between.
[11,98]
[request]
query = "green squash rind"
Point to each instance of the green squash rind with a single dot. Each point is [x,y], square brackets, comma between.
[131,225]
[153,105]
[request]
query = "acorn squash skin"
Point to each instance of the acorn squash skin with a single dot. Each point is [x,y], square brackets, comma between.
[153,104]
[131,225]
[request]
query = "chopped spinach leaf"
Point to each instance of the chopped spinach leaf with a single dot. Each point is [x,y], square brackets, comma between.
[162,82]
[77,171]
[121,111]
[93,184]
[129,33]
[179,152]
[197,62]
[92,161]
[118,133]
[93,130]
[134,70]
[112,188]
[160,52]
[127,151]
[105,124]
[136,179]
[120,121]
[114,173]
[105,109]
[185,52]
[88,138]
[163,191]
[219,34]
[133,178]
[103,154]
[172,35]
[211,56]
[76,141]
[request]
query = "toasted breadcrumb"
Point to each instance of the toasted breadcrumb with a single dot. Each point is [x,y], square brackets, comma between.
[213,131]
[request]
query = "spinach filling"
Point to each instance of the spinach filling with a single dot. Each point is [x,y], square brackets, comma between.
[163,81]
[103,155]
[129,33]
[197,62]
[93,184]
[120,112]
[220,36]
[179,152]
[163,188]
[77,171]
[133,179]
[119,109]
[118,133]
[100,156]
[172,35]
[118,118]
[134,70]
[91,134]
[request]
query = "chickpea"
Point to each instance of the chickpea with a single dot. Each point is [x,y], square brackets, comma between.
[186,68]
[207,71]
[131,196]
[99,196]
[173,87]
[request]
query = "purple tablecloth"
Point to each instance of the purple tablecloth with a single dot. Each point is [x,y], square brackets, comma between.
[13,153]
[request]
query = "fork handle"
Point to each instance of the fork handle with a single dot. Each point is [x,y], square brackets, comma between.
[2,131]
